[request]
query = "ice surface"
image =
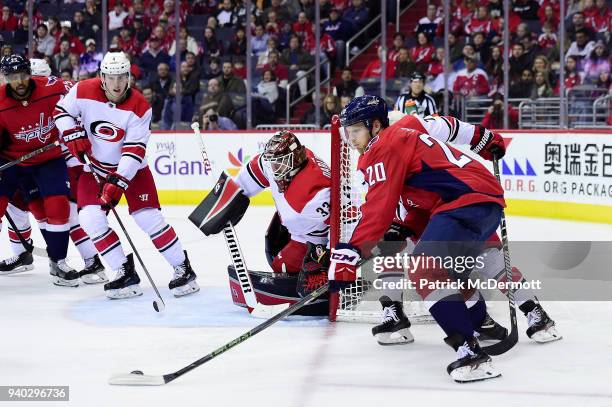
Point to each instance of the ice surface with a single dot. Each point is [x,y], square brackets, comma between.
[75,336]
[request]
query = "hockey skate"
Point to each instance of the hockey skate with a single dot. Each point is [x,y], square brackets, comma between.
[490,330]
[17,264]
[183,282]
[93,273]
[472,364]
[541,328]
[126,282]
[63,275]
[394,329]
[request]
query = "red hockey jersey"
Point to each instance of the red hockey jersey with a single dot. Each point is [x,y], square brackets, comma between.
[27,125]
[436,177]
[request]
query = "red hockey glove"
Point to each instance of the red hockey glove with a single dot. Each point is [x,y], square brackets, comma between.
[343,267]
[488,144]
[113,189]
[77,142]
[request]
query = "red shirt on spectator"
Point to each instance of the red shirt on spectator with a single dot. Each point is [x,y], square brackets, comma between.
[435,68]
[599,20]
[10,24]
[475,83]
[422,54]
[76,46]
[374,70]
[476,25]
[547,41]
[280,71]
[129,46]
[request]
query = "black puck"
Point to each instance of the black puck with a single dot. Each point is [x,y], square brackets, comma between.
[137,372]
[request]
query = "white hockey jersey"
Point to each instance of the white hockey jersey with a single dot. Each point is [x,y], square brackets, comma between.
[304,206]
[445,128]
[118,133]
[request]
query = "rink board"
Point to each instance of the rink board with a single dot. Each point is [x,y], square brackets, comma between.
[550,174]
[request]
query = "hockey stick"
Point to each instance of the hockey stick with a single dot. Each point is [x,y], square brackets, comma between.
[160,305]
[255,308]
[37,251]
[137,378]
[29,155]
[506,344]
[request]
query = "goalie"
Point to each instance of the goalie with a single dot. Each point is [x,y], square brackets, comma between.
[296,240]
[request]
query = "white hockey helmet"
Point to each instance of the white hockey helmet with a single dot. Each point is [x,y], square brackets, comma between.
[115,63]
[40,67]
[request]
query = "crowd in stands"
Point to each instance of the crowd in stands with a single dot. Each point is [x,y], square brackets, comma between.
[213,42]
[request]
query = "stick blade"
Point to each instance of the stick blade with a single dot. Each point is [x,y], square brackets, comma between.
[136,379]
[267,311]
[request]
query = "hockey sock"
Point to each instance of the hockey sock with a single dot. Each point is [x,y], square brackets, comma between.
[78,236]
[453,316]
[94,222]
[391,279]
[22,221]
[162,235]
[57,236]
[494,268]
[477,307]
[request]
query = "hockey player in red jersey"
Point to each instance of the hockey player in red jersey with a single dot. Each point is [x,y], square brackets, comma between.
[18,210]
[26,124]
[113,134]
[465,201]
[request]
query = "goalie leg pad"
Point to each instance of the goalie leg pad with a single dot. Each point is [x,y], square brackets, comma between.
[277,237]
[225,203]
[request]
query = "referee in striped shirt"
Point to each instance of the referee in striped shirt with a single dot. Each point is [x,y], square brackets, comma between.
[416,101]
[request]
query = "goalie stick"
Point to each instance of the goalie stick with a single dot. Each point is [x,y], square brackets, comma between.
[37,251]
[160,305]
[138,378]
[255,308]
[508,343]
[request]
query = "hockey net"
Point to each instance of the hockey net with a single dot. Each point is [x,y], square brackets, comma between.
[359,302]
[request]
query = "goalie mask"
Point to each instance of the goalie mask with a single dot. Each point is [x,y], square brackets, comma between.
[286,157]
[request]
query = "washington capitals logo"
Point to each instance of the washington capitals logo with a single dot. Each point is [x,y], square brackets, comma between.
[107,131]
[39,131]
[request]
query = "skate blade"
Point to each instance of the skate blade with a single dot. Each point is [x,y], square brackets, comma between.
[95,278]
[401,337]
[189,288]
[60,282]
[467,374]
[547,335]
[16,270]
[125,292]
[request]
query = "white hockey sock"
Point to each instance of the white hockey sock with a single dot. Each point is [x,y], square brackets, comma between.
[78,236]
[162,235]
[94,222]
[22,221]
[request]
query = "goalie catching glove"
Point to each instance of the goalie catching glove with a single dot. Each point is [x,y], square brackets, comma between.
[488,144]
[225,203]
[343,266]
[314,269]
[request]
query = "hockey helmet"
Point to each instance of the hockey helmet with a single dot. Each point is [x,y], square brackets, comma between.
[40,67]
[286,157]
[14,64]
[364,109]
[115,63]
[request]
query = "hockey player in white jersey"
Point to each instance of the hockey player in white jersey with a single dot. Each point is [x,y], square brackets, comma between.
[114,132]
[22,260]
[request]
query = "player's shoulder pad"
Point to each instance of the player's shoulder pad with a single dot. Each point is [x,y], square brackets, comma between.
[307,183]
[136,103]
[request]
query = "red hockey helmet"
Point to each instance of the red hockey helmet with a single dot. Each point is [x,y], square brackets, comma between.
[286,156]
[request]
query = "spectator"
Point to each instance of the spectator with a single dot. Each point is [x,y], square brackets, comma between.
[169,106]
[522,31]
[165,38]
[45,44]
[471,81]
[529,51]
[273,26]
[495,65]
[303,28]
[213,70]
[211,121]
[374,68]
[259,42]
[541,87]
[494,118]
[153,99]
[330,105]
[211,45]
[339,31]
[524,87]
[78,73]
[267,94]
[572,77]
[549,16]
[496,8]
[61,60]
[455,48]
[20,36]
[80,27]
[127,43]
[191,45]
[347,85]
[547,41]
[190,82]
[518,62]
[238,45]
[398,43]
[467,51]
[435,73]
[116,16]
[285,36]
[429,25]
[307,7]
[90,60]
[66,74]
[169,15]
[194,65]
[298,61]
[220,98]
[137,10]
[526,9]
[281,72]
[599,20]
[422,53]
[7,50]
[225,15]
[582,47]
[228,82]
[263,57]
[153,56]
[282,12]
[140,32]
[597,62]
[405,66]
[480,23]
[76,46]
[579,24]
[344,100]
[8,22]
[53,24]
[212,22]
[416,101]
[161,85]
[604,81]
[541,64]
[93,16]
[356,15]
[481,49]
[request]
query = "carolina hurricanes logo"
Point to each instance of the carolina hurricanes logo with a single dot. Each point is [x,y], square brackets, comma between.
[107,131]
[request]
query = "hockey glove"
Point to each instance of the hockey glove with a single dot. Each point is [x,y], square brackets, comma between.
[343,267]
[394,240]
[488,144]
[314,269]
[77,142]
[113,189]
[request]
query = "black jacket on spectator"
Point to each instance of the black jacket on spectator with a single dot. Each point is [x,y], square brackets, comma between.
[223,102]
[521,90]
[237,48]
[526,9]
[300,58]
[517,65]
[190,85]
[83,31]
[160,88]
[338,30]
[148,62]
[232,84]
[347,88]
